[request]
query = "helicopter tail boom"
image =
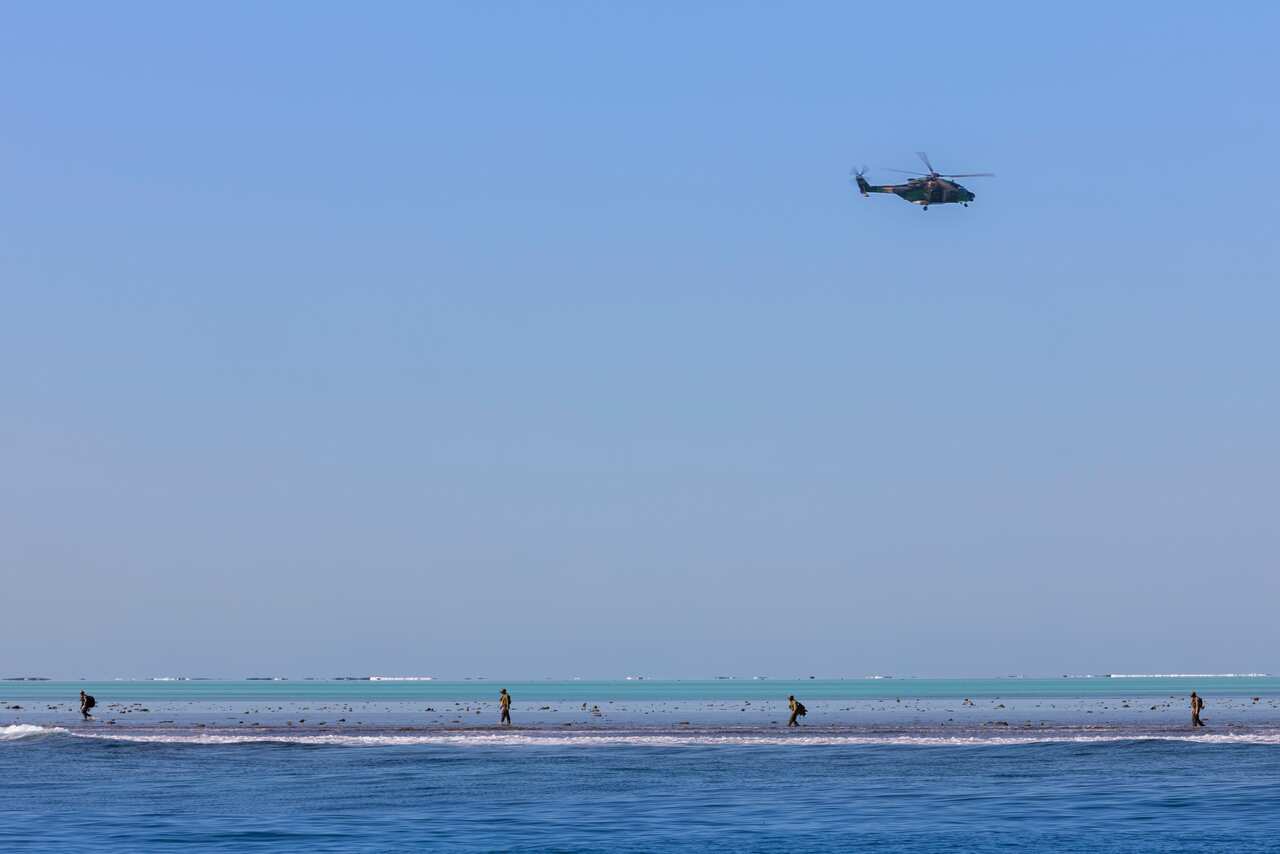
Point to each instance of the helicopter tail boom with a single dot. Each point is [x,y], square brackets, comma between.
[865,188]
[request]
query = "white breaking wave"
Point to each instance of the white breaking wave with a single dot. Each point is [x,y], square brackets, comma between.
[14,731]
[654,740]
[401,678]
[19,731]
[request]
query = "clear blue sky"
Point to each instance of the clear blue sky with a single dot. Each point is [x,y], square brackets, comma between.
[541,339]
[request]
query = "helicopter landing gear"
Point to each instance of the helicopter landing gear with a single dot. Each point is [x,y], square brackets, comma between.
[924,207]
[966,204]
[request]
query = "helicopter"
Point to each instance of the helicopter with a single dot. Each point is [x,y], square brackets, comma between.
[927,188]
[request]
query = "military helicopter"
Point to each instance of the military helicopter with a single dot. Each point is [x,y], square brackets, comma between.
[927,188]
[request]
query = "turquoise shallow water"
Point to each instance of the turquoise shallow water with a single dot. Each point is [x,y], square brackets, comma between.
[645,690]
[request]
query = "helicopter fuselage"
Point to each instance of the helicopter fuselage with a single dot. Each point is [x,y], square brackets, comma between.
[922,191]
[929,188]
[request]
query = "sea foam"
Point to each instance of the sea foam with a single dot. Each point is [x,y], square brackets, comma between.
[15,731]
[663,740]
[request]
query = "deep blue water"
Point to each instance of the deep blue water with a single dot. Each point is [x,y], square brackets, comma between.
[59,792]
[1089,765]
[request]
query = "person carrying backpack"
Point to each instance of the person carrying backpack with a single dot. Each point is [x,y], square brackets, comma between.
[1197,706]
[797,710]
[504,703]
[86,703]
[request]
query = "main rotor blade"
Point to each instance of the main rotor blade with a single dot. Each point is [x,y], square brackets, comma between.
[971,175]
[904,171]
[925,158]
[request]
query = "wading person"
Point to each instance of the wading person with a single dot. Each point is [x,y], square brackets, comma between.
[797,710]
[504,703]
[86,703]
[1197,706]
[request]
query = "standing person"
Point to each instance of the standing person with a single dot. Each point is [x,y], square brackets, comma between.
[86,703]
[504,703]
[1197,706]
[797,710]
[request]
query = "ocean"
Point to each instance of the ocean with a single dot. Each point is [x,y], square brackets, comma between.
[1085,764]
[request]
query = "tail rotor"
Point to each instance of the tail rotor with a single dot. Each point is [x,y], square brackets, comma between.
[855,175]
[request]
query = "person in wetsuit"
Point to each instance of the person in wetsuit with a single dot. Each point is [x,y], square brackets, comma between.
[86,703]
[504,703]
[1197,706]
